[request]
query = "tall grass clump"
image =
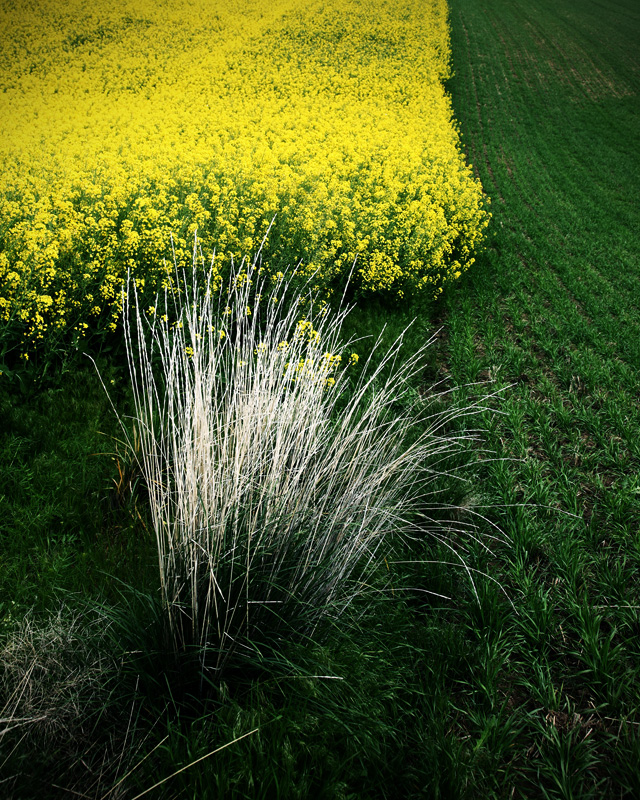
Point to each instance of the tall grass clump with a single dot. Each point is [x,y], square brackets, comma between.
[276,467]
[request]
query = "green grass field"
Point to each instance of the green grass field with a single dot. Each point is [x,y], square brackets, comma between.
[529,688]
[546,94]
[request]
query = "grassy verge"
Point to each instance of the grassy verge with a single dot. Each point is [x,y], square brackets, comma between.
[92,699]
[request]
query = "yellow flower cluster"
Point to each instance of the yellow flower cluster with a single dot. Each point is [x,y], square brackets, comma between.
[312,365]
[305,330]
[122,124]
[314,369]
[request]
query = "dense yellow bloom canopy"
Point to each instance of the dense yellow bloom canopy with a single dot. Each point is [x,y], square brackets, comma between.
[124,122]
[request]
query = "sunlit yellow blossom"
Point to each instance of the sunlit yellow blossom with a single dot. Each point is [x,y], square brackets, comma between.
[125,124]
[305,330]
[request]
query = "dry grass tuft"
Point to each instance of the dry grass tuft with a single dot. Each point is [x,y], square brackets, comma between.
[274,474]
[52,674]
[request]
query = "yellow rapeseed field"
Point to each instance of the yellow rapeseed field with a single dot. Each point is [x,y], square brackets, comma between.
[125,121]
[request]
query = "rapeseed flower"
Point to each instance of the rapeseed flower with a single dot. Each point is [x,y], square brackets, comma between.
[124,124]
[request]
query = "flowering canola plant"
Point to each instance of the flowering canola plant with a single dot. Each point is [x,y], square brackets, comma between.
[123,124]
